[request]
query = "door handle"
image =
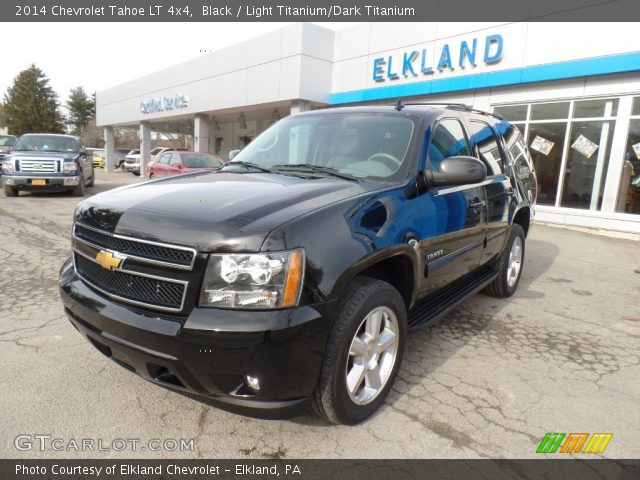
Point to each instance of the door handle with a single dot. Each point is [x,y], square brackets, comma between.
[510,192]
[478,205]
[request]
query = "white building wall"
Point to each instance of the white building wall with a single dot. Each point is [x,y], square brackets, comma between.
[265,69]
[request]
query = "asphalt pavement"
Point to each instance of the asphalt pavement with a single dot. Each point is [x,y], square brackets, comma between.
[562,355]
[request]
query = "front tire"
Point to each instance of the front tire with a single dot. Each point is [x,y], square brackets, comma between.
[509,265]
[78,191]
[10,191]
[363,354]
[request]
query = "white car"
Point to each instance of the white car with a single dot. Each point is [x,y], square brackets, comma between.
[132,162]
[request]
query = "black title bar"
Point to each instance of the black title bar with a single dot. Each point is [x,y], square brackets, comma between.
[131,469]
[318,10]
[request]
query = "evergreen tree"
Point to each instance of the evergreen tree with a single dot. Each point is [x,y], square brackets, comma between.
[82,108]
[31,105]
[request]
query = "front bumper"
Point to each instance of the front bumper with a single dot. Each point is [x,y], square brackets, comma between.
[26,182]
[207,355]
[131,167]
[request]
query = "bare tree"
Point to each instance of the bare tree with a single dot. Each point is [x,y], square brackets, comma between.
[92,135]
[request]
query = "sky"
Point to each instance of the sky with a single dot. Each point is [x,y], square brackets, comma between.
[100,55]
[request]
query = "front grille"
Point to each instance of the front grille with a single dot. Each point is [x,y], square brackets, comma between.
[132,247]
[39,166]
[129,287]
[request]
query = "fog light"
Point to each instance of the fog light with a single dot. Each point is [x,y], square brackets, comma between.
[9,181]
[252,382]
[71,181]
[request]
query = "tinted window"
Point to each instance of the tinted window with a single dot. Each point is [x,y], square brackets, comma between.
[7,140]
[448,140]
[636,106]
[174,157]
[486,143]
[192,160]
[164,159]
[513,113]
[549,111]
[595,108]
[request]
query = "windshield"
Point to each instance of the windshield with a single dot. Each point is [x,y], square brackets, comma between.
[133,152]
[360,145]
[99,153]
[46,143]
[192,160]
[7,140]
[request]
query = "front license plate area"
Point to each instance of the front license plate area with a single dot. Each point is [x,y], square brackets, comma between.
[38,181]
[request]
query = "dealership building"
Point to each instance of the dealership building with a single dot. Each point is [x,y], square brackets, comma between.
[572,88]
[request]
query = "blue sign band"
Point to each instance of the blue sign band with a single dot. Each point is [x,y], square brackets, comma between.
[626,62]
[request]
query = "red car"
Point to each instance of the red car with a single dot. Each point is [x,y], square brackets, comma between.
[176,162]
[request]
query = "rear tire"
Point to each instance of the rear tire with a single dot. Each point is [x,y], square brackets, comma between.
[510,265]
[363,353]
[10,191]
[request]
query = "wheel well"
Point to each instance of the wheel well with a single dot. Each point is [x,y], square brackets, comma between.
[396,271]
[523,218]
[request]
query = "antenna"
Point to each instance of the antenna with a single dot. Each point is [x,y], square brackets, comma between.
[399,105]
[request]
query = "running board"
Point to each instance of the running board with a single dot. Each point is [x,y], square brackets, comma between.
[432,308]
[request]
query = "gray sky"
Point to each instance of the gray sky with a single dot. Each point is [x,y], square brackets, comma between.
[100,55]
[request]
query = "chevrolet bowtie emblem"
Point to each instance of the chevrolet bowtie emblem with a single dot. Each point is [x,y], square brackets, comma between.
[108,260]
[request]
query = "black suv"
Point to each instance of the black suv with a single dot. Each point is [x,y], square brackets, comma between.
[290,277]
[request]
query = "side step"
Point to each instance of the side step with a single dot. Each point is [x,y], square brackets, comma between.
[432,308]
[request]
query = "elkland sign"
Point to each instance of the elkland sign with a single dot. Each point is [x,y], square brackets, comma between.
[413,63]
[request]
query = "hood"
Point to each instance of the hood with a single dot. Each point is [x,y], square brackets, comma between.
[29,153]
[213,211]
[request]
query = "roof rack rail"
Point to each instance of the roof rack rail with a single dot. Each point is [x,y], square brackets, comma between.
[440,104]
[458,106]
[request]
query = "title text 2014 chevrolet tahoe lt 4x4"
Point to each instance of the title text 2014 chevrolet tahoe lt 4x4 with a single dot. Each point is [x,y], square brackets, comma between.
[291,277]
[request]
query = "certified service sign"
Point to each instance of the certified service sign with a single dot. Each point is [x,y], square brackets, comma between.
[162,104]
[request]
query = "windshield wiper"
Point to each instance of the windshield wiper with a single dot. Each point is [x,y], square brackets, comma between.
[311,168]
[249,165]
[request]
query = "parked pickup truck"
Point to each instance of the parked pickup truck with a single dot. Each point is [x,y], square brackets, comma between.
[290,278]
[47,162]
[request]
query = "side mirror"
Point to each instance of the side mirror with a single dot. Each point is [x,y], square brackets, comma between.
[458,171]
[233,153]
[175,165]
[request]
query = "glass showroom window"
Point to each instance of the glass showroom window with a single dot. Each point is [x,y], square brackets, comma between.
[629,192]
[571,141]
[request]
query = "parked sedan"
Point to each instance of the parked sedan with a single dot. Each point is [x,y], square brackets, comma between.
[176,162]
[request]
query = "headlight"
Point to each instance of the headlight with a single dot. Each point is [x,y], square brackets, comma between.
[8,166]
[257,281]
[68,167]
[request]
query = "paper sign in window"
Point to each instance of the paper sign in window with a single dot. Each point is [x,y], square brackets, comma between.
[585,146]
[542,145]
[636,149]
